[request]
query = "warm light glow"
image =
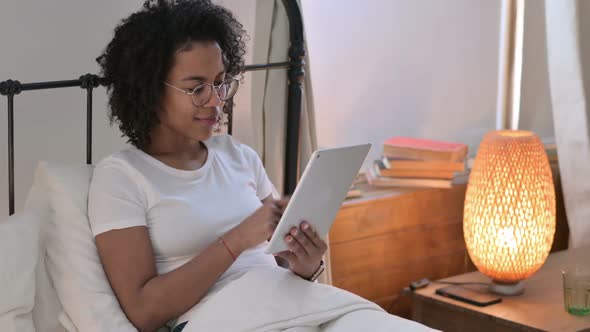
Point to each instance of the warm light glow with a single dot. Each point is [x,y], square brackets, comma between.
[509,217]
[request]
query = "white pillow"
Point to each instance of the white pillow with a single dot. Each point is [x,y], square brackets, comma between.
[47,309]
[72,258]
[19,246]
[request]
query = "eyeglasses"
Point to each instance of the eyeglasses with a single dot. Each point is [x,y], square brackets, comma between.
[201,94]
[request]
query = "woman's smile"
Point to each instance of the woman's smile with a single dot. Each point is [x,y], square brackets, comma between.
[207,121]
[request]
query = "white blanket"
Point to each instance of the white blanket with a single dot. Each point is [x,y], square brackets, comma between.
[274,299]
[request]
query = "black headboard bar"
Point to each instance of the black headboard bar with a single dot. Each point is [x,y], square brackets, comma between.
[294,98]
[11,153]
[88,126]
[273,65]
[89,82]
[50,85]
[10,88]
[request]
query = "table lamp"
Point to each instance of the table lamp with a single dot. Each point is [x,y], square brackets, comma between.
[509,213]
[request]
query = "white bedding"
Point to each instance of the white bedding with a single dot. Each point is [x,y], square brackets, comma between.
[274,299]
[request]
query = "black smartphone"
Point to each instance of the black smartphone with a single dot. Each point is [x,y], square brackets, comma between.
[467,295]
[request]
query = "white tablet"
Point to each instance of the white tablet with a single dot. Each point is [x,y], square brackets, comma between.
[320,192]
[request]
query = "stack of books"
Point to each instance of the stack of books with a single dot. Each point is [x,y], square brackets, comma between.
[413,162]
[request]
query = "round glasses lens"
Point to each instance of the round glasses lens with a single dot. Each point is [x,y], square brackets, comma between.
[228,89]
[201,95]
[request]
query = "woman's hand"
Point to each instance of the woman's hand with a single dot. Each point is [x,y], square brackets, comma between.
[258,227]
[306,249]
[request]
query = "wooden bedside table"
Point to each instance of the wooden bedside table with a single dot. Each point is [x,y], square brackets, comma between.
[382,241]
[540,308]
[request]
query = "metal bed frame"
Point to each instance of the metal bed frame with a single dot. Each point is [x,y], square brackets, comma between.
[10,88]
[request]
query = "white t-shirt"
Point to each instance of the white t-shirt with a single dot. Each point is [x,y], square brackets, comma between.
[184,211]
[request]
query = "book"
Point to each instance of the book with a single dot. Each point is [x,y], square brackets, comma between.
[423,149]
[423,165]
[380,181]
[382,170]
[354,193]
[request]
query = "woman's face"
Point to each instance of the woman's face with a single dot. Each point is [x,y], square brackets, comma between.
[194,64]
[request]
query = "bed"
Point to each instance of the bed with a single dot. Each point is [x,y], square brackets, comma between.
[51,278]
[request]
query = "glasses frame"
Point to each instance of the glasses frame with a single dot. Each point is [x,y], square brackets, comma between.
[214,88]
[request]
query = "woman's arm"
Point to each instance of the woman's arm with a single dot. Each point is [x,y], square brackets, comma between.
[150,300]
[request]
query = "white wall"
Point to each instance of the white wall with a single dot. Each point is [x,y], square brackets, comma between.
[382,68]
[57,40]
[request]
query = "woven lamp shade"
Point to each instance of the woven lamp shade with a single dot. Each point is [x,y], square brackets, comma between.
[509,214]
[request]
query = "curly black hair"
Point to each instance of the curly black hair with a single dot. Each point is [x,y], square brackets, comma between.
[141,53]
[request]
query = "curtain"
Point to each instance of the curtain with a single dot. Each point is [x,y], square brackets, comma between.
[568,51]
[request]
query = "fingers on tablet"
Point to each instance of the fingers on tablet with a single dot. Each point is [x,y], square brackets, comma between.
[312,234]
[296,247]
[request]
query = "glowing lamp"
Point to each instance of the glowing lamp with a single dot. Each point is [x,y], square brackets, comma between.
[509,214]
